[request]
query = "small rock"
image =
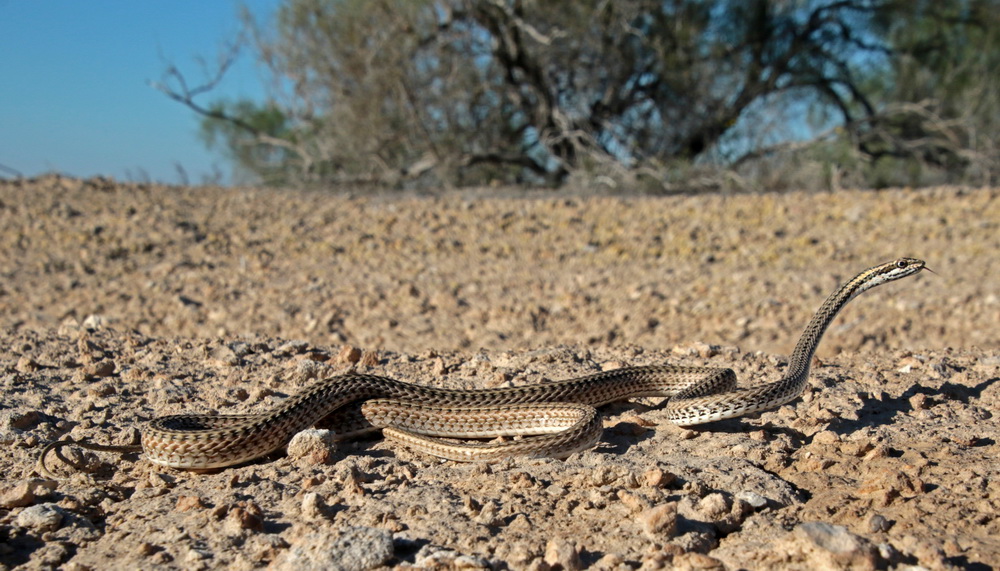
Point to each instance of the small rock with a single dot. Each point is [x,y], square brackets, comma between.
[307,369]
[244,515]
[489,514]
[633,502]
[704,350]
[755,500]
[160,480]
[657,478]
[835,542]
[562,554]
[102,389]
[145,549]
[195,556]
[69,326]
[879,451]
[102,369]
[90,352]
[878,524]
[602,476]
[25,492]
[662,557]
[928,552]
[240,348]
[348,355]
[889,553]
[697,562]
[27,365]
[93,322]
[909,363]
[25,420]
[292,348]
[188,503]
[610,561]
[920,401]
[433,557]
[826,437]
[369,359]
[714,506]
[313,506]
[41,517]
[660,522]
[225,356]
[355,549]
[439,368]
[314,446]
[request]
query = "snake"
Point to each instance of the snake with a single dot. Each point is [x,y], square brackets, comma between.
[553,419]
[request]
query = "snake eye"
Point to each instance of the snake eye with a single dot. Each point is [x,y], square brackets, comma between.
[901,264]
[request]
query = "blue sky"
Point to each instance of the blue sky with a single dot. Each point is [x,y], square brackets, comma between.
[74,92]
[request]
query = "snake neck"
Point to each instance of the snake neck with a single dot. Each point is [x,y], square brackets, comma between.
[799,361]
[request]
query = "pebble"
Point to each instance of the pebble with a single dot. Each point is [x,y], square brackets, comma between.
[878,524]
[714,506]
[660,522]
[102,389]
[489,514]
[562,554]
[314,446]
[846,549]
[657,478]
[292,347]
[27,365]
[433,557]
[41,517]
[633,502]
[93,322]
[610,561]
[927,552]
[307,370]
[145,549]
[826,437]
[368,359]
[920,401]
[313,506]
[24,420]
[245,515]
[225,356]
[100,368]
[697,562]
[188,503]
[354,549]
[755,500]
[348,355]
[25,492]
[704,350]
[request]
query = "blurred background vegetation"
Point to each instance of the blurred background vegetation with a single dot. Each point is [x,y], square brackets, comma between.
[654,96]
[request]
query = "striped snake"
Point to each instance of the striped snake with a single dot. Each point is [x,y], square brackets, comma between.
[560,416]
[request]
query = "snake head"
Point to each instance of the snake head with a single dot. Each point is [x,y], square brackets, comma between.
[904,267]
[887,272]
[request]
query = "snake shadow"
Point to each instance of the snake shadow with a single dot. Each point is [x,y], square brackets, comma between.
[879,412]
[619,438]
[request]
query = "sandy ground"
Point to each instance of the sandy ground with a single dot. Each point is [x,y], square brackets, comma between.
[120,303]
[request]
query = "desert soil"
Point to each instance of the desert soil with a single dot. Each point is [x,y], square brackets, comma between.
[122,302]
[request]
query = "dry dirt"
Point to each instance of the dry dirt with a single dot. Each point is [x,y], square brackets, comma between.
[120,303]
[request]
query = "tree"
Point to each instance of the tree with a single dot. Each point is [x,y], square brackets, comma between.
[469,91]
[939,105]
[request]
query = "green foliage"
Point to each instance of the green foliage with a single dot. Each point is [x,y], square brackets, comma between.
[940,95]
[461,92]
[242,145]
